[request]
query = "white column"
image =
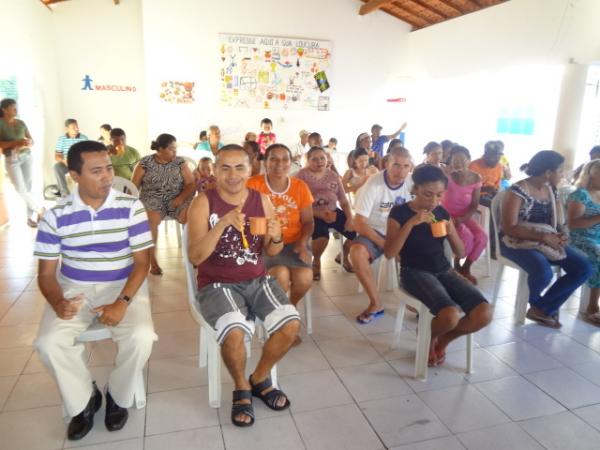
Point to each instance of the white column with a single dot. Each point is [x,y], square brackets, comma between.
[568,117]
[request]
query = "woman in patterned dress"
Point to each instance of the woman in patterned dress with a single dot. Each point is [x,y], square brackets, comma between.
[584,226]
[166,186]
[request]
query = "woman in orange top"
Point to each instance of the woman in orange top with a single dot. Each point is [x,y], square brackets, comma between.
[292,200]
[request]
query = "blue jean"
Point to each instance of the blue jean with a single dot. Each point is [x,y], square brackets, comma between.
[539,275]
[19,173]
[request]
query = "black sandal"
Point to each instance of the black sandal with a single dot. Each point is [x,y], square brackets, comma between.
[269,398]
[242,408]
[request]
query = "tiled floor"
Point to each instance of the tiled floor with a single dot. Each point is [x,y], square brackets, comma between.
[532,387]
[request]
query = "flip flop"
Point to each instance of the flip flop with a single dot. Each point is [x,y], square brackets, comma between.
[369,317]
[591,318]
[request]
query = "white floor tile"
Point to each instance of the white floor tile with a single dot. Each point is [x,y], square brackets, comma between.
[13,360]
[342,427]
[401,420]
[566,386]
[175,373]
[207,438]
[373,381]
[502,437]
[446,443]
[306,357]
[562,431]
[333,327]
[33,391]
[6,387]
[590,371]
[437,377]
[16,429]
[274,432]
[523,357]
[463,408]
[565,350]
[519,398]
[591,414]
[494,335]
[179,410]
[347,352]
[315,390]
[130,444]
[17,336]
[485,365]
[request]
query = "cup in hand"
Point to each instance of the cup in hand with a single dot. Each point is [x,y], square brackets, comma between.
[258,226]
[438,229]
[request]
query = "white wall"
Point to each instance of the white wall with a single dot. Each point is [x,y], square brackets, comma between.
[510,56]
[28,54]
[180,43]
[98,38]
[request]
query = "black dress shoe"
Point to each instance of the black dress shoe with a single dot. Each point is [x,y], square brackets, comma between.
[116,417]
[83,422]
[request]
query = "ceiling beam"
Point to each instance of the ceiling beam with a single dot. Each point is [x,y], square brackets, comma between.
[430,8]
[373,5]
[408,17]
[451,5]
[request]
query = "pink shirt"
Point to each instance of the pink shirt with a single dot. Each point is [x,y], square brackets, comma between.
[457,198]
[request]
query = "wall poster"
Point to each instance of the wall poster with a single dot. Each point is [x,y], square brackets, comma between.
[274,72]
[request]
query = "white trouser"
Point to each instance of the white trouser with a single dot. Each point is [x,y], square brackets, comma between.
[63,356]
[19,172]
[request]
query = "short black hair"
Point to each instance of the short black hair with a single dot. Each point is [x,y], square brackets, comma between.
[493,147]
[431,146]
[316,148]
[428,174]
[314,135]
[117,132]
[231,148]
[74,159]
[266,120]
[459,149]
[106,126]
[334,140]
[162,141]
[595,149]
[203,134]
[446,144]
[5,103]
[272,147]
[70,122]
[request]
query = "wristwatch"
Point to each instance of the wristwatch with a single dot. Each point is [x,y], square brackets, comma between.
[125,298]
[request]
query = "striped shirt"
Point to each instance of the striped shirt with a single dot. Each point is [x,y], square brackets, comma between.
[94,245]
[65,142]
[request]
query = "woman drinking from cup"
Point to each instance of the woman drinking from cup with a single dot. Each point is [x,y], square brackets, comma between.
[292,201]
[416,230]
[327,190]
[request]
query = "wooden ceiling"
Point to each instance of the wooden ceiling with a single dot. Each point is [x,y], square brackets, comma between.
[424,13]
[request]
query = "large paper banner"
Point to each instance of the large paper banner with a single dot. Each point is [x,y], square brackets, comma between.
[274,72]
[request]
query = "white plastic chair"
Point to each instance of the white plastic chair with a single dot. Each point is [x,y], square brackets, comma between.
[190,162]
[423,334]
[584,298]
[383,269]
[484,222]
[123,185]
[522,287]
[209,350]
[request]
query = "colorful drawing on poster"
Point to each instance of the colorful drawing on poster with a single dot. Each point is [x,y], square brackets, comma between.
[179,91]
[274,72]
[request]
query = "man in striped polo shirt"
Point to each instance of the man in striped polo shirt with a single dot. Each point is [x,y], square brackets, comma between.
[102,239]
[71,136]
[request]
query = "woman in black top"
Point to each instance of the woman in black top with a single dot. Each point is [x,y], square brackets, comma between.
[425,272]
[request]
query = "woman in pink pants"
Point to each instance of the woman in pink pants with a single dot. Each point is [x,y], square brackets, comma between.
[461,200]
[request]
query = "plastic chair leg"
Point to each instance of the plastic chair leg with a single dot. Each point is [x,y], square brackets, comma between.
[584,298]
[423,344]
[497,283]
[522,298]
[214,374]
[398,325]
[203,348]
[469,353]
[308,312]
[178,231]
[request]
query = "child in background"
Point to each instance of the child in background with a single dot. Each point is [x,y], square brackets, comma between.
[250,137]
[266,136]
[203,175]
[461,200]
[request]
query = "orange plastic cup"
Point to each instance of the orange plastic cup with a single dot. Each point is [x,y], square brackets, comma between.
[438,229]
[258,226]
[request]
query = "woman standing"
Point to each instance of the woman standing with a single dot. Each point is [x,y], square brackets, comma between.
[166,186]
[16,142]
[292,201]
[583,207]
[327,190]
[532,241]
[461,200]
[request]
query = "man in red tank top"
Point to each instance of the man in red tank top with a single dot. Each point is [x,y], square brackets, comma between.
[233,286]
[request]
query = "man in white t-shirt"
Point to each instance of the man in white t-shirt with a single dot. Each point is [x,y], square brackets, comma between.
[372,205]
